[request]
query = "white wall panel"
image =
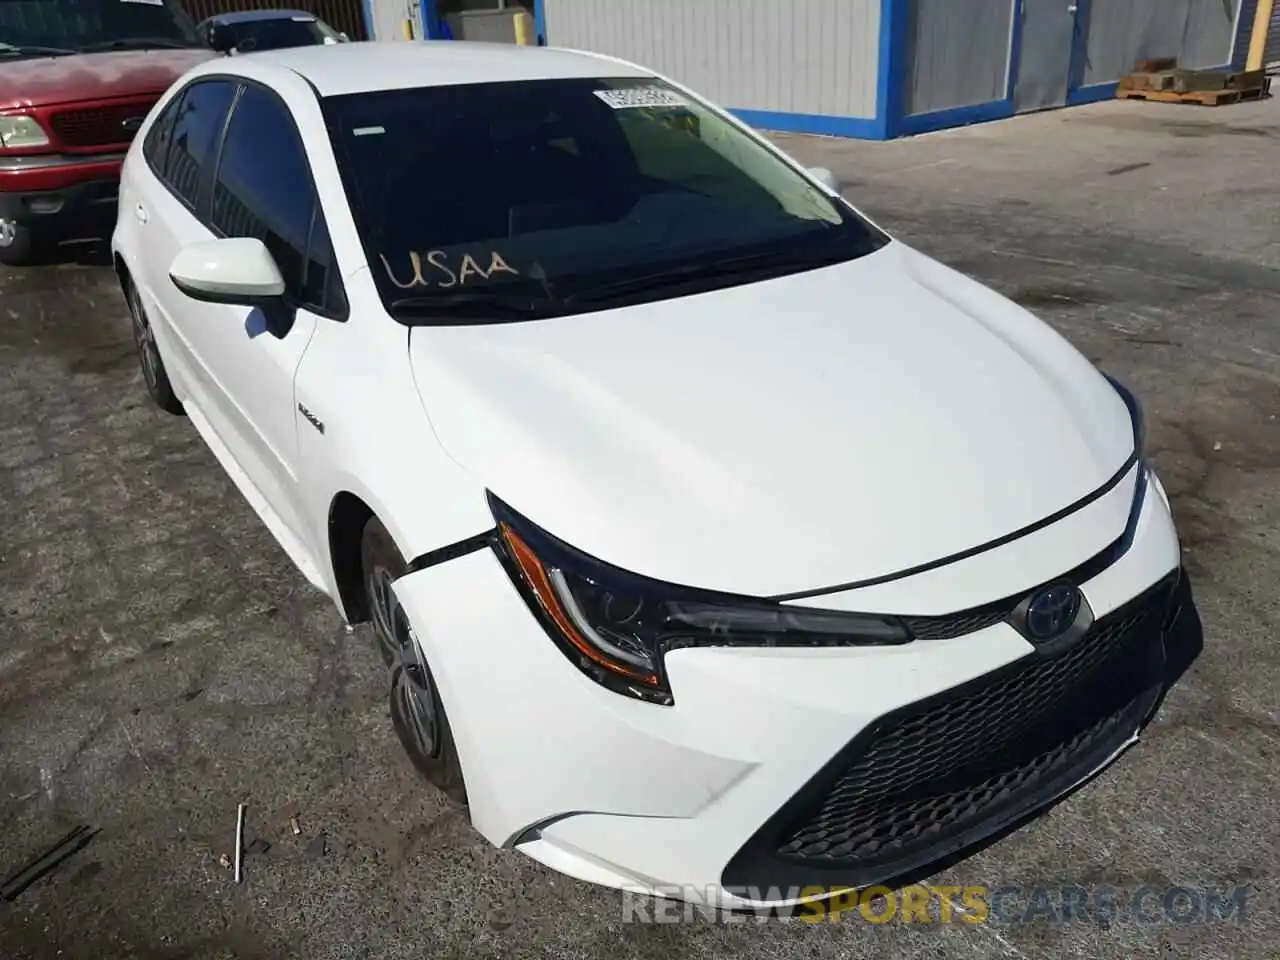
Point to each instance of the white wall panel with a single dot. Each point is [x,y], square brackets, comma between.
[793,56]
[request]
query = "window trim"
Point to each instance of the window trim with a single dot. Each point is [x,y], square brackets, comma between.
[203,209]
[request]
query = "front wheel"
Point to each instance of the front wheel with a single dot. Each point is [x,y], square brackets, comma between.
[19,247]
[417,711]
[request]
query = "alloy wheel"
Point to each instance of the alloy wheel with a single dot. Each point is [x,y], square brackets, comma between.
[144,336]
[8,232]
[412,684]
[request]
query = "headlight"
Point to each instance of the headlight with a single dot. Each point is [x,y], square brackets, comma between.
[1135,415]
[617,627]
[19,130]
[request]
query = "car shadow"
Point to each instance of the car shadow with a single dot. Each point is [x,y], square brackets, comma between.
[90,252]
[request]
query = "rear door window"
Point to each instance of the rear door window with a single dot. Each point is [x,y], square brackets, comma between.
[156,147]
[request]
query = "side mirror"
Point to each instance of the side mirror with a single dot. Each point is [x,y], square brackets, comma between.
[239,271]
[826,178]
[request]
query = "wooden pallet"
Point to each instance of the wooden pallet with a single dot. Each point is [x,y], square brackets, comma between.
[1192,81]
[1205,98]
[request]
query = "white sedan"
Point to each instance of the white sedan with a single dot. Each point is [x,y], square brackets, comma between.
[717,543]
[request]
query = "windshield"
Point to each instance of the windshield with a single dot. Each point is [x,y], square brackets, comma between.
[501,201]
[281,32]
[37,27]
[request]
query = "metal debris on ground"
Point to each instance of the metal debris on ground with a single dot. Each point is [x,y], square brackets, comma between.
[46,862]
[224,861]
[240,843]
[293,825]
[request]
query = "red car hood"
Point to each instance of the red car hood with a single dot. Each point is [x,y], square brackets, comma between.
[93,76]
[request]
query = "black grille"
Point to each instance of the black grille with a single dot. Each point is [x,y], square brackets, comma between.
[938,775]
[108,126]
[958,624]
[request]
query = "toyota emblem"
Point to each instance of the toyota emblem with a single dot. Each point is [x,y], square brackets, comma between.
[1052,611]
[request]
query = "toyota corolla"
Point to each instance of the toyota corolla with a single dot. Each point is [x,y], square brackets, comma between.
[712,537]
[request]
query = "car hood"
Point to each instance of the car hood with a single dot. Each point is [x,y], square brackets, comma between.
[833,426]
[47,81]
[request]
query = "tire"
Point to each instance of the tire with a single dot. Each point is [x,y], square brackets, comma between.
[19,246]
[154,374]
[417,712]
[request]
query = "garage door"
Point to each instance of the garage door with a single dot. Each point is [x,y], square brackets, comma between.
[1272,53]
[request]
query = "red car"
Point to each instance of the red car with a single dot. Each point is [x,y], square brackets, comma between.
[77,77]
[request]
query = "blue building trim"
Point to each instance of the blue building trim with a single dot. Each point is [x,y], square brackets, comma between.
[1079,48]
[894,61]
[540,21]
[1092,93]
[428,13]
[859,128]
[1014,54]
[955,117]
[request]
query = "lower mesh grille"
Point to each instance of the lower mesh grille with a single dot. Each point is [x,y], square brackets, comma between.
[926,779]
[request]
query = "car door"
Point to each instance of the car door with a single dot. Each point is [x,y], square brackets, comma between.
[164,206]
[262,187]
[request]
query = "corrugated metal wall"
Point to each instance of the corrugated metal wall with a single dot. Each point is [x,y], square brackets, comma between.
[344,15]
[795,56]
[1210,34]
[958,53]
[1200,33]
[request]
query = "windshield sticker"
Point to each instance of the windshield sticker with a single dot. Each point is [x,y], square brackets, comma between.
[368,131]
[633,97]
[446,274]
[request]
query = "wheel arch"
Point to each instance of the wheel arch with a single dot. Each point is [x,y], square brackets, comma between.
[348,514]
[122,271]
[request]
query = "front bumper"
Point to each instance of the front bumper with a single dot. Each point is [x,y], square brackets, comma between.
[778,770]
[54,192]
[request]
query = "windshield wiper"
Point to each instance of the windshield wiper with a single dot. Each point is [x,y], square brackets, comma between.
[35,50]
[749,265]
[473,305]
[137,43]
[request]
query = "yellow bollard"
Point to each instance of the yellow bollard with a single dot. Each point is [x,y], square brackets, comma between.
[406,29]
[524,28]
[1258,39]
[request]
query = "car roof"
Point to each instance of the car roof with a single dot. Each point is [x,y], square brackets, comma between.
[255,16]
[337,69]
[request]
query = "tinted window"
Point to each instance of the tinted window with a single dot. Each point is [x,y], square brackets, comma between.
[264,189]
[567,191]
[80,24]
[156,147]
[278,32]
[195,134]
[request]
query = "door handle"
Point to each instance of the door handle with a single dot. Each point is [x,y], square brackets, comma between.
[140,212]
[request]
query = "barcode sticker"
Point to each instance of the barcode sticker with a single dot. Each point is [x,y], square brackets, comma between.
[632,97]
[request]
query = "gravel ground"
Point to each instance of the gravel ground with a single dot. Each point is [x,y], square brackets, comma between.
[160,660]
